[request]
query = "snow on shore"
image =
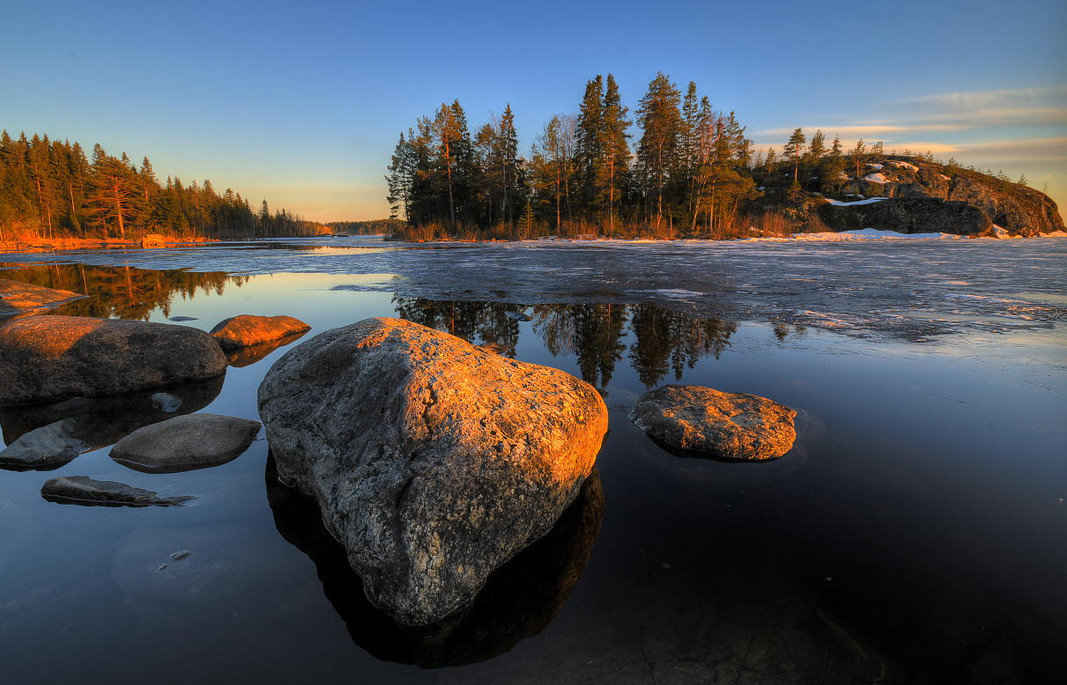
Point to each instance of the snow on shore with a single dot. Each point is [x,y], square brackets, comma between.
[853,203]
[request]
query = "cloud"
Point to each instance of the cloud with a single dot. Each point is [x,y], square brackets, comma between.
[982,99]
[861,130]
[1022,150]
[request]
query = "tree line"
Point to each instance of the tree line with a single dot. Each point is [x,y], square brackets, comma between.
[50,189]
[688,172]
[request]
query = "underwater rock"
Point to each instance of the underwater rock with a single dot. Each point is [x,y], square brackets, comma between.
[86,491]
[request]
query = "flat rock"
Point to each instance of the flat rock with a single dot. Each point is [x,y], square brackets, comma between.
[44,448]
[247,330]
[706,422]
[246,356]
[51,358]
[17,297]
[184,443]
[86,491]
[433,462]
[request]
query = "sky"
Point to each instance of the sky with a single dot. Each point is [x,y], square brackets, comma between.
[301,104]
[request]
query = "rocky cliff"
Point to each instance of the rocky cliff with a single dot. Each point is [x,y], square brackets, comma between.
[923,196]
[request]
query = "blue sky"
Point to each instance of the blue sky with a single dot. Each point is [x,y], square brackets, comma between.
[301,104]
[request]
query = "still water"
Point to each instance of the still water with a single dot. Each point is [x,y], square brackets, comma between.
[915,533]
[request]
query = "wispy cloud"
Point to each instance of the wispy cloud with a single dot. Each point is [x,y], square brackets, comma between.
[861,130]
[981,99]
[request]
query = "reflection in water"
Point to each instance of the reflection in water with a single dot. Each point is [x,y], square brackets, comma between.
[519,600]
[120,291]
[664,340]
[101,421]
[246,356]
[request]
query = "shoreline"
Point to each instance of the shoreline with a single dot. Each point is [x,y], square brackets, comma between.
[61,244]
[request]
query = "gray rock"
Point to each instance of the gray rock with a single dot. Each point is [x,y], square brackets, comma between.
[50,358]
[433,462]
[166,402]
[706,422]
[44,448]
[85,490]
[184,443]
[247,330]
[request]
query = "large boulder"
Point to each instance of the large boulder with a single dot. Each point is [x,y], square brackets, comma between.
[44,448]
[246,330]
[703,421]
[184,443]
[50,358]
[433,462]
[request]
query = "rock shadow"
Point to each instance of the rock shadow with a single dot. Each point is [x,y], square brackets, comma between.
[520,599]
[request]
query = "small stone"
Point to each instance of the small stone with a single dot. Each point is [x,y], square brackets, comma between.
[246,330]
[86,491]
[179,555]
[165,402]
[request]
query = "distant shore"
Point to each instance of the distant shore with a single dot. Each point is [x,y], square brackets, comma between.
[51,244]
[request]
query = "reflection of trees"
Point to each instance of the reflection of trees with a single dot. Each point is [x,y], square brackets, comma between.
[475,322]
[664,340]
[123,292]
[669,340]
[593,332]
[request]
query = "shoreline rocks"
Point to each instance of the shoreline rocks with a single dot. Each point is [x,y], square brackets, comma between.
[702,421]
[433,462]
[107,493]
[51,358]
[246,330]
[17,297]
[185,443]
[44,448]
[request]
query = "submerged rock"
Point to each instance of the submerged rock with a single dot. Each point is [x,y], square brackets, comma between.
[17,297]
[517,602]
[85,490]
[704,421]
[247,330]
[44,448]
[50,358]
[101,421]
[433,462]
[184,443]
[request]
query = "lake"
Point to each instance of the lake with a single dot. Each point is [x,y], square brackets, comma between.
[915,532]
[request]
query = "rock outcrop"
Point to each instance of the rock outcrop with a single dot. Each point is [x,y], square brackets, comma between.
[51,358]
[107,493]
[909,215]
[432,462]
[707,422]
[184,443]
[246,330]
[1019,209]
[17,297]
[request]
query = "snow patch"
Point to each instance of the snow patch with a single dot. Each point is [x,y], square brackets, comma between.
[876,178]
[875,166]
[902,165]
[853,203]
[677,293]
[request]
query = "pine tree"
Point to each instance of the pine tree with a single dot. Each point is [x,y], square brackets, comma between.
[613,145]
[794,150]
[589,140]
[661,125]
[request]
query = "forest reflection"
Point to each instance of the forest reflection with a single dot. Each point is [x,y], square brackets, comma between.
[661,341]
[120,291]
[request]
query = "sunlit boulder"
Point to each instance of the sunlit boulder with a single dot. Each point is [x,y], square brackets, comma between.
[50,358]
[706,422]
[246,330]
[433,462]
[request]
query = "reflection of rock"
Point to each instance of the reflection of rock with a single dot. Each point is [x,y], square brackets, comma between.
[247,330]
[86,491]
[246,356]
[43,449]
[184,443]
[98,422]
[433,461]
[518,601]
[17,297]
[708,422]
[50,358]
